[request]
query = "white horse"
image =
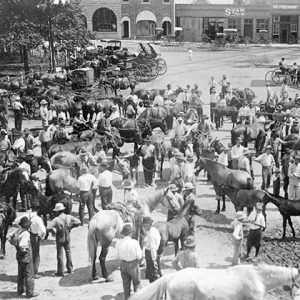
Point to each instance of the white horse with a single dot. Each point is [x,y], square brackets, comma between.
[243,282]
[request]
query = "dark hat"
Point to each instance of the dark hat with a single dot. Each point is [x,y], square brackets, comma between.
[147,221]
[127,230]
[24,222]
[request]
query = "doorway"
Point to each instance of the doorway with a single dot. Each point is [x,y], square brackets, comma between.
[125,29]
[283,35]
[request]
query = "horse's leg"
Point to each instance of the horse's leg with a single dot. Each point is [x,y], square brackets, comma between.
[102,259]
[45,223]
[224,205]
[291,225]
[161,167]
[284,226]
[176,246]
[218,208]
[2,238]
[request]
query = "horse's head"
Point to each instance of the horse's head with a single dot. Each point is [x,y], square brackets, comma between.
[194,209]
[200,164]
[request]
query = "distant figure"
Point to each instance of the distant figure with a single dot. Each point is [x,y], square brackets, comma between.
[190,54]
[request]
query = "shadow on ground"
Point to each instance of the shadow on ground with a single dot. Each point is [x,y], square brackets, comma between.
[8,295]
[211,216]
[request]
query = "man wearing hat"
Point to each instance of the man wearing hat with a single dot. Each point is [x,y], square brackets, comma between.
[19,143]
[189,170]
[21,240]
[287,122]
[18,112]
[105,180]
[130,254]
[61,226]
[29,140]
[53,126]
[177,171]
[187,258]
[238,236]
[5,143]
[100,155]
[62,135]
[188,192]
[177,202]
[257,224]
[214,99]
[244,161]
[45,138]
[203,126]
[295,127]
[259,118]
[148,161]
[86,158]
[244,111]
[276,178]
[130,194]
[151,244]
[268,163]
[86,183]
[44,112]
[294,179]
[180,130]
[104,126]
[236,153]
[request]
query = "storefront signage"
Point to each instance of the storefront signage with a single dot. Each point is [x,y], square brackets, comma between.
[285,6]
[234,11]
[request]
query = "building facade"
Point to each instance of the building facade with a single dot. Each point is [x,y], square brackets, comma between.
[279,23]
[128,18]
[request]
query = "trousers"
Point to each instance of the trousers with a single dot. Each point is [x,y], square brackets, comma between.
[86,198]
[35,245]
[60,257]
[25,276]
[130,272]
[266,177]
[18,114]
[152,271]
[237,251]
[105,194]
[294,190]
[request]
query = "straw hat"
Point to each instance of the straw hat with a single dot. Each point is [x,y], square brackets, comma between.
[127,230]
[25,222]
[173,187]
[44,102]
[3,132]
[188,186]
[268,147]
[59,207]
[240,216]
[190,242]
[29,152]
[128,184]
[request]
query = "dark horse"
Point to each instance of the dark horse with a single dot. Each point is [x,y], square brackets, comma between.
[12,181]
[249,133]
[287,208]
[157,118]
[177,228]
[7,216]
[221,175]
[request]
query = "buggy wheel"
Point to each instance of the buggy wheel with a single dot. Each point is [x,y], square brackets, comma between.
[268,77]
[145,72]
[161,66]
[278,77]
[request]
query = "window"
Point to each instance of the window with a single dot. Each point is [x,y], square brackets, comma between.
[293,27]
[275,29]
[276,18]
[104,20]
[125,1]
[177,22]
[248,22]
[166,1]
[234,23]
[262,24]
[146,1]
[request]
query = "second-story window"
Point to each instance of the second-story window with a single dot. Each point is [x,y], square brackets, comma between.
[146,1]
[166,1]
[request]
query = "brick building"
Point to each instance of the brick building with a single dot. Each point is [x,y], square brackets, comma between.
[128,18]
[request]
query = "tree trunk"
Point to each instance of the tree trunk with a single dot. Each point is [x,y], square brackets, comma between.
[25,59]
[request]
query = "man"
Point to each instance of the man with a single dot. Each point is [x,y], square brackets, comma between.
[284,89]
[105,185]
[5,143]
[285,162]
[212,84]
[100,155]
[53,127]
[189,191]
[187,258]
[26,170]
[177,171]
[86,183]
[44,112]
[104,126]
[37,231]
[244,162]
[223,158]
[168,91]
[21,240]
[115,114]
[177,202]
[294,179]
[61,226]
[130,109]
[267,161]
[180,129]
[79,123]
[62,136]
[158,100]
[130,254]
[86,159]
[45,138]
[283,66]
[204,127]
[149,163]
[244,111]
[189,170]
[152,243]
[19,143]
[238,236]
[131,195]
[259,118]
[214,99]
[236,153]
[18,112]
[257,224]
[29,140]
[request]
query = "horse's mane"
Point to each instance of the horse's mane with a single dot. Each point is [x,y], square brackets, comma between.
[214,162]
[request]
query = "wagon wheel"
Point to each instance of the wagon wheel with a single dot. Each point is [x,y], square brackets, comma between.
[162,66]
[268,77]
[145,71]
[278,77]
[137,75]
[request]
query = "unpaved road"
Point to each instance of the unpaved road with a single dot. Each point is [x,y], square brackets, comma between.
[212,231]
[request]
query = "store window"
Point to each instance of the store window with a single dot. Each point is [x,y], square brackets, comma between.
[177,22]
[262,24]
[234,23]
[212,26]
[248,21]
[276,18]
[104,20]
[166,1]
[275,29]
[294,28]
[146,1]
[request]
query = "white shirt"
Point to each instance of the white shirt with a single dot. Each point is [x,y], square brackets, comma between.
[223,159]
[152,241]
[158,100]
[266,160]
[86,182]
[37,225]
[237,229]
[24,166]
[128,249]
[105,179]
[259,220]
[19,144]
[237,152]
[244,111]
[148,150]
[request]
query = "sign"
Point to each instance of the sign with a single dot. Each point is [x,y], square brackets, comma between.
[234,11]
[285,6]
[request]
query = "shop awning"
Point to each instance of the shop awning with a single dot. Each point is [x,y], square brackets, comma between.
[146,15]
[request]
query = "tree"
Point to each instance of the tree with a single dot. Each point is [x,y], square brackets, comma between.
[19,30]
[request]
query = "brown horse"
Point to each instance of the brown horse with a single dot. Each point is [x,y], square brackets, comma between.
[222,176]
[156,116]
[107,224]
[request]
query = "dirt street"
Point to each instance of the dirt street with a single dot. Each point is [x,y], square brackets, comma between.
[244,68]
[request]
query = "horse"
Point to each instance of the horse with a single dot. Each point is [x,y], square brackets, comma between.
[7,217]
[221,175]
[254,132]
[244,198]
[177,228]
[157,118]
[12,181]
[107,224]
[251,282]
[287,208]
[231,110]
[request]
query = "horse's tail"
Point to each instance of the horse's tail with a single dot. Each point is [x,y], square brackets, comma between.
[155,291]
[92,240]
